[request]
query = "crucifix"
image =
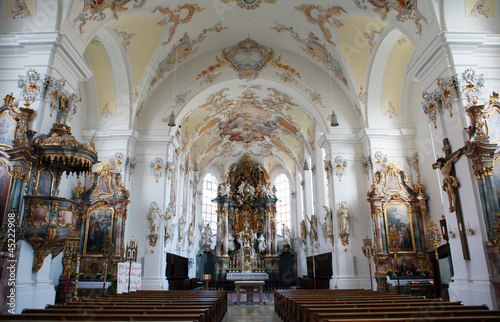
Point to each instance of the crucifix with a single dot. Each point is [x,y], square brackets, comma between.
[450,185]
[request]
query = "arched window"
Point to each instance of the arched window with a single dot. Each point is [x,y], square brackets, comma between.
[282,185]
[209,207]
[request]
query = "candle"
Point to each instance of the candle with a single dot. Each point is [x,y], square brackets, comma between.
[78,265]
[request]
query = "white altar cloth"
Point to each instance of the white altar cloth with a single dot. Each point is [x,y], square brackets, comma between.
[247,276]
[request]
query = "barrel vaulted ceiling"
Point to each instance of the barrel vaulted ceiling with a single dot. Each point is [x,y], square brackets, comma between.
[248,76]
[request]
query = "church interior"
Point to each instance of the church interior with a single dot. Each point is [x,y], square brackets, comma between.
[213,144]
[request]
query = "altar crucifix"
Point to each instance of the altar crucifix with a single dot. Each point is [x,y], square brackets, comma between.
[450,185]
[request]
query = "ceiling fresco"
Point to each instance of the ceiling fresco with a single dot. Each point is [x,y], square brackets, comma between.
[211,42]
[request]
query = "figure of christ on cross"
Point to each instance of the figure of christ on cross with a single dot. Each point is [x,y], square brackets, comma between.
[450,185]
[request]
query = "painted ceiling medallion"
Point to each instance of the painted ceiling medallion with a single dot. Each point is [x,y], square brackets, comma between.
[248,58]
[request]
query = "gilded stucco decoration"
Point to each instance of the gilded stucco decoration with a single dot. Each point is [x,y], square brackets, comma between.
[316,49]
[406,10]
[471,85]
[176,17]
[340,167]
[125,38]
[380,160]
[118,160]
[249,4]
[48,88]
[367,165]
[323,17]
[248,58]
[480,9]
[21,10]
[315,97]
[181,51]
[440,99]
[94,10]
[391,111]
[158,168]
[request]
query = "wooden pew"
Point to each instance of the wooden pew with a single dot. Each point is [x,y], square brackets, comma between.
[359,305]
[201,306]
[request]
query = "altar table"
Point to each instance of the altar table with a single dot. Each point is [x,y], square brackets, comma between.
[249,286]
[247,276]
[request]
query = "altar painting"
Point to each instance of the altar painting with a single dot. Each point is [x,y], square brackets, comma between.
[7,130]
[5,181]
[44,182]
[99,225]
[398,219]
[103,187]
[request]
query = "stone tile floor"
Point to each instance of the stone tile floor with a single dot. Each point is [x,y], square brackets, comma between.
[252,313]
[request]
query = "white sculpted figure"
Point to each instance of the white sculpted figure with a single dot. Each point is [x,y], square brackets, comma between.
[262,243]
[225,189]
[344,218]
[206,235]
[287,235]
[154,218]
[268,193]
[230,243]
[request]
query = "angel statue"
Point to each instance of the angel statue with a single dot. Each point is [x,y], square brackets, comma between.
[262,244]
[287,234]
[225,189]
[230,242]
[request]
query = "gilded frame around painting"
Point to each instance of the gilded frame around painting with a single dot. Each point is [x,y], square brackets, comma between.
[398,216]
[9,128]
[100,220]
[61,212]
[4,202]
[41,182]
[33,212]
[103,186]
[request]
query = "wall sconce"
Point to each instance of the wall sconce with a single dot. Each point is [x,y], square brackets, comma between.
[334,121]
[470,231]
[171,119]
[195,166]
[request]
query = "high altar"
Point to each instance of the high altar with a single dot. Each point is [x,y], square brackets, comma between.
[246,224]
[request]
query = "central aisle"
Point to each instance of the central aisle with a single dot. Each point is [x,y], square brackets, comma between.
[251,313]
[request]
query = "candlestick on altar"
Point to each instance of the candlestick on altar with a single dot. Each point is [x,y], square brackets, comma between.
[368,251]
[434,238]
[394,248]
[74,297]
